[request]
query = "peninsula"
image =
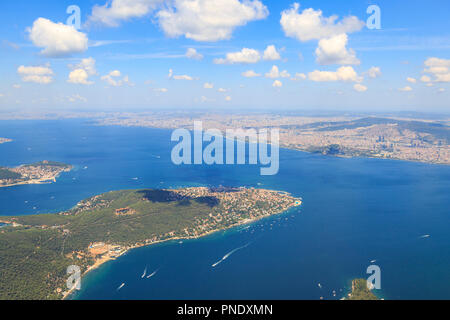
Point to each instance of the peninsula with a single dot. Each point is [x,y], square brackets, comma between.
[36,250]
[35,173]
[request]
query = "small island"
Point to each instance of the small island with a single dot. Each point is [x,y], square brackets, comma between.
[36,250]
[4,140]
[361,291]
[35,173]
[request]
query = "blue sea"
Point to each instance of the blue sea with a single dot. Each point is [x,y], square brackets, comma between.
[356,212]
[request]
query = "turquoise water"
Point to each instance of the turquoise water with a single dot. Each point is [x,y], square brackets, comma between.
[354,211]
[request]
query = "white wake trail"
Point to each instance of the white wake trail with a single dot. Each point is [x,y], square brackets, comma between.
[225,257]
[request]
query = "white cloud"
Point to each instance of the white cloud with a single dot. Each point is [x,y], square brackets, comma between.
[250,74]
[271,53]
[208,20]
[115,11]
[277,84]
[439,68]
[161,90]
[81,72]
[112,79]
[87,64]
[179,77]
[347,74]
[334,51]
[57,39]
[275,73]
[40,74]
[405,89]
[299,76]
[17,86]
[222,90]
[191,53]
[311,24]
[208,85]
[374,72]
[246,55]
[228,98]
[425,79]
[411,80]
[79,76]
[360,88]
[441,90]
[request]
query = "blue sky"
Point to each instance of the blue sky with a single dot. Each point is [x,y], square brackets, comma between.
[120,58]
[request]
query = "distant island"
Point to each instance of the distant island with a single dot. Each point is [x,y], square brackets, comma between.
[35,173]
[360,291]
[4,140]
[36,250]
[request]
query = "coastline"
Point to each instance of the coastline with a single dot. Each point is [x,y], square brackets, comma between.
[99,262]
[286,146]
[37,181]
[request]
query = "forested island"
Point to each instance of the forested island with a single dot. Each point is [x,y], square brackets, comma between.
[35,173]
[361,291]
[35,250]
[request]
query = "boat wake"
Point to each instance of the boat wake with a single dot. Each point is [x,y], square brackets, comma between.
[145,273]
[425,236]
[151,275]
[121,286]
[225,257]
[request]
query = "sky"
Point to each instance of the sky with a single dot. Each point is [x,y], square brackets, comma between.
[133,55]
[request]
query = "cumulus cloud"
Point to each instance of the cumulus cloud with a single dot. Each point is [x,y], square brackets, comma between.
[228,98]
[179,77]
[116,11]
[250,74]
[57,39]
[334,51]
[79,76]
[405,89]
[271,53]
[411,80]
[310,24]
[299,76]
[81,72]
[39,74]
[425,79]
[277,84]
[438,68]
[113,79]
[275,73]
[208,20]
[360,88]
[222,90]
[191,53]
[246,55]
[347,74]
[161,90]
[208,85]
[374,72]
